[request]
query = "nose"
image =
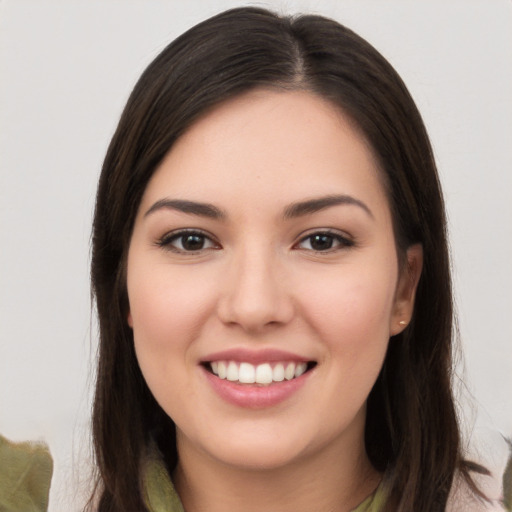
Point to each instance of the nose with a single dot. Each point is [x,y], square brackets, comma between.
[256,294]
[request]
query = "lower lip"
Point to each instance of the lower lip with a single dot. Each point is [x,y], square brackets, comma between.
[254,396]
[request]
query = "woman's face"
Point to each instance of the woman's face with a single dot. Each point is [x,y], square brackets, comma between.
[263,281]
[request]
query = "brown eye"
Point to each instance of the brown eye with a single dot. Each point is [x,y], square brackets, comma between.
[324,241]
[187,241]
[321,242]
[192,242]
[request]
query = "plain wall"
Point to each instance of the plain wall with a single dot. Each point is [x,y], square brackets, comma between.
[66,69]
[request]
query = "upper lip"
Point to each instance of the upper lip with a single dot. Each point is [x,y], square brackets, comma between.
[267,355]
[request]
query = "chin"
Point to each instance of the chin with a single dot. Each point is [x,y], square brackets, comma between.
[260,450]
[259,458]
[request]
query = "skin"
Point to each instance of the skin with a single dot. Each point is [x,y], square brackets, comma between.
[257,283]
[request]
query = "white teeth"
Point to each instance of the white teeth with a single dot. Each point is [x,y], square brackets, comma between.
[300,369]
[278,373]
[222,370]
[289,373]
[247,373]
[232,372]
[264,374]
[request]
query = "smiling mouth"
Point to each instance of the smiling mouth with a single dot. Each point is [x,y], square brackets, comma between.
[263,374]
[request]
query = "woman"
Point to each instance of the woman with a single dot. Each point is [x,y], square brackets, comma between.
[272,281]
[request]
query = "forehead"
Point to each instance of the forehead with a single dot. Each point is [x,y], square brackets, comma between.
[277,145]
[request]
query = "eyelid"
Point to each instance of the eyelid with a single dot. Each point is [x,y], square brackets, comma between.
[344,239]
[165,241]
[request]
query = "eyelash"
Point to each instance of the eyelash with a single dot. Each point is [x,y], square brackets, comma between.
[166,242]
[342,241]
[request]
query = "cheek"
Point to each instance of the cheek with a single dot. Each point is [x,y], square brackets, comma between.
[350,318]
[167,311]
[164,303]
[351,311]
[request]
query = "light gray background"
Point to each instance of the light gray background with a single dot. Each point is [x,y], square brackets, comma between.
[66,69]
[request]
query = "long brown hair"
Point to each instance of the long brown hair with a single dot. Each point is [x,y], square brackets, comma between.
[412,432]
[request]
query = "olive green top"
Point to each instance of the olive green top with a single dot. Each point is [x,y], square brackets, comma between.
[26,471]
[161,496]
[25,474]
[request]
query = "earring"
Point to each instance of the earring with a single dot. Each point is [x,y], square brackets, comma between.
[402,322]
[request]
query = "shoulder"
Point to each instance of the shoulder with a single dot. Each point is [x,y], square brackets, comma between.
[25,475]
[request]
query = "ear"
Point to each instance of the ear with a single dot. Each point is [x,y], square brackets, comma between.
[406,289]
[129,319]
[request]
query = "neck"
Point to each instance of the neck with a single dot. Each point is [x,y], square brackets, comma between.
[333,480]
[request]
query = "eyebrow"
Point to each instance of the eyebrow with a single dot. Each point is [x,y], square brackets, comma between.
[192,207]
[321,203]
[292,211]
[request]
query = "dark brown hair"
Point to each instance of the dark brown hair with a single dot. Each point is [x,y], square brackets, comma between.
[412,432]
